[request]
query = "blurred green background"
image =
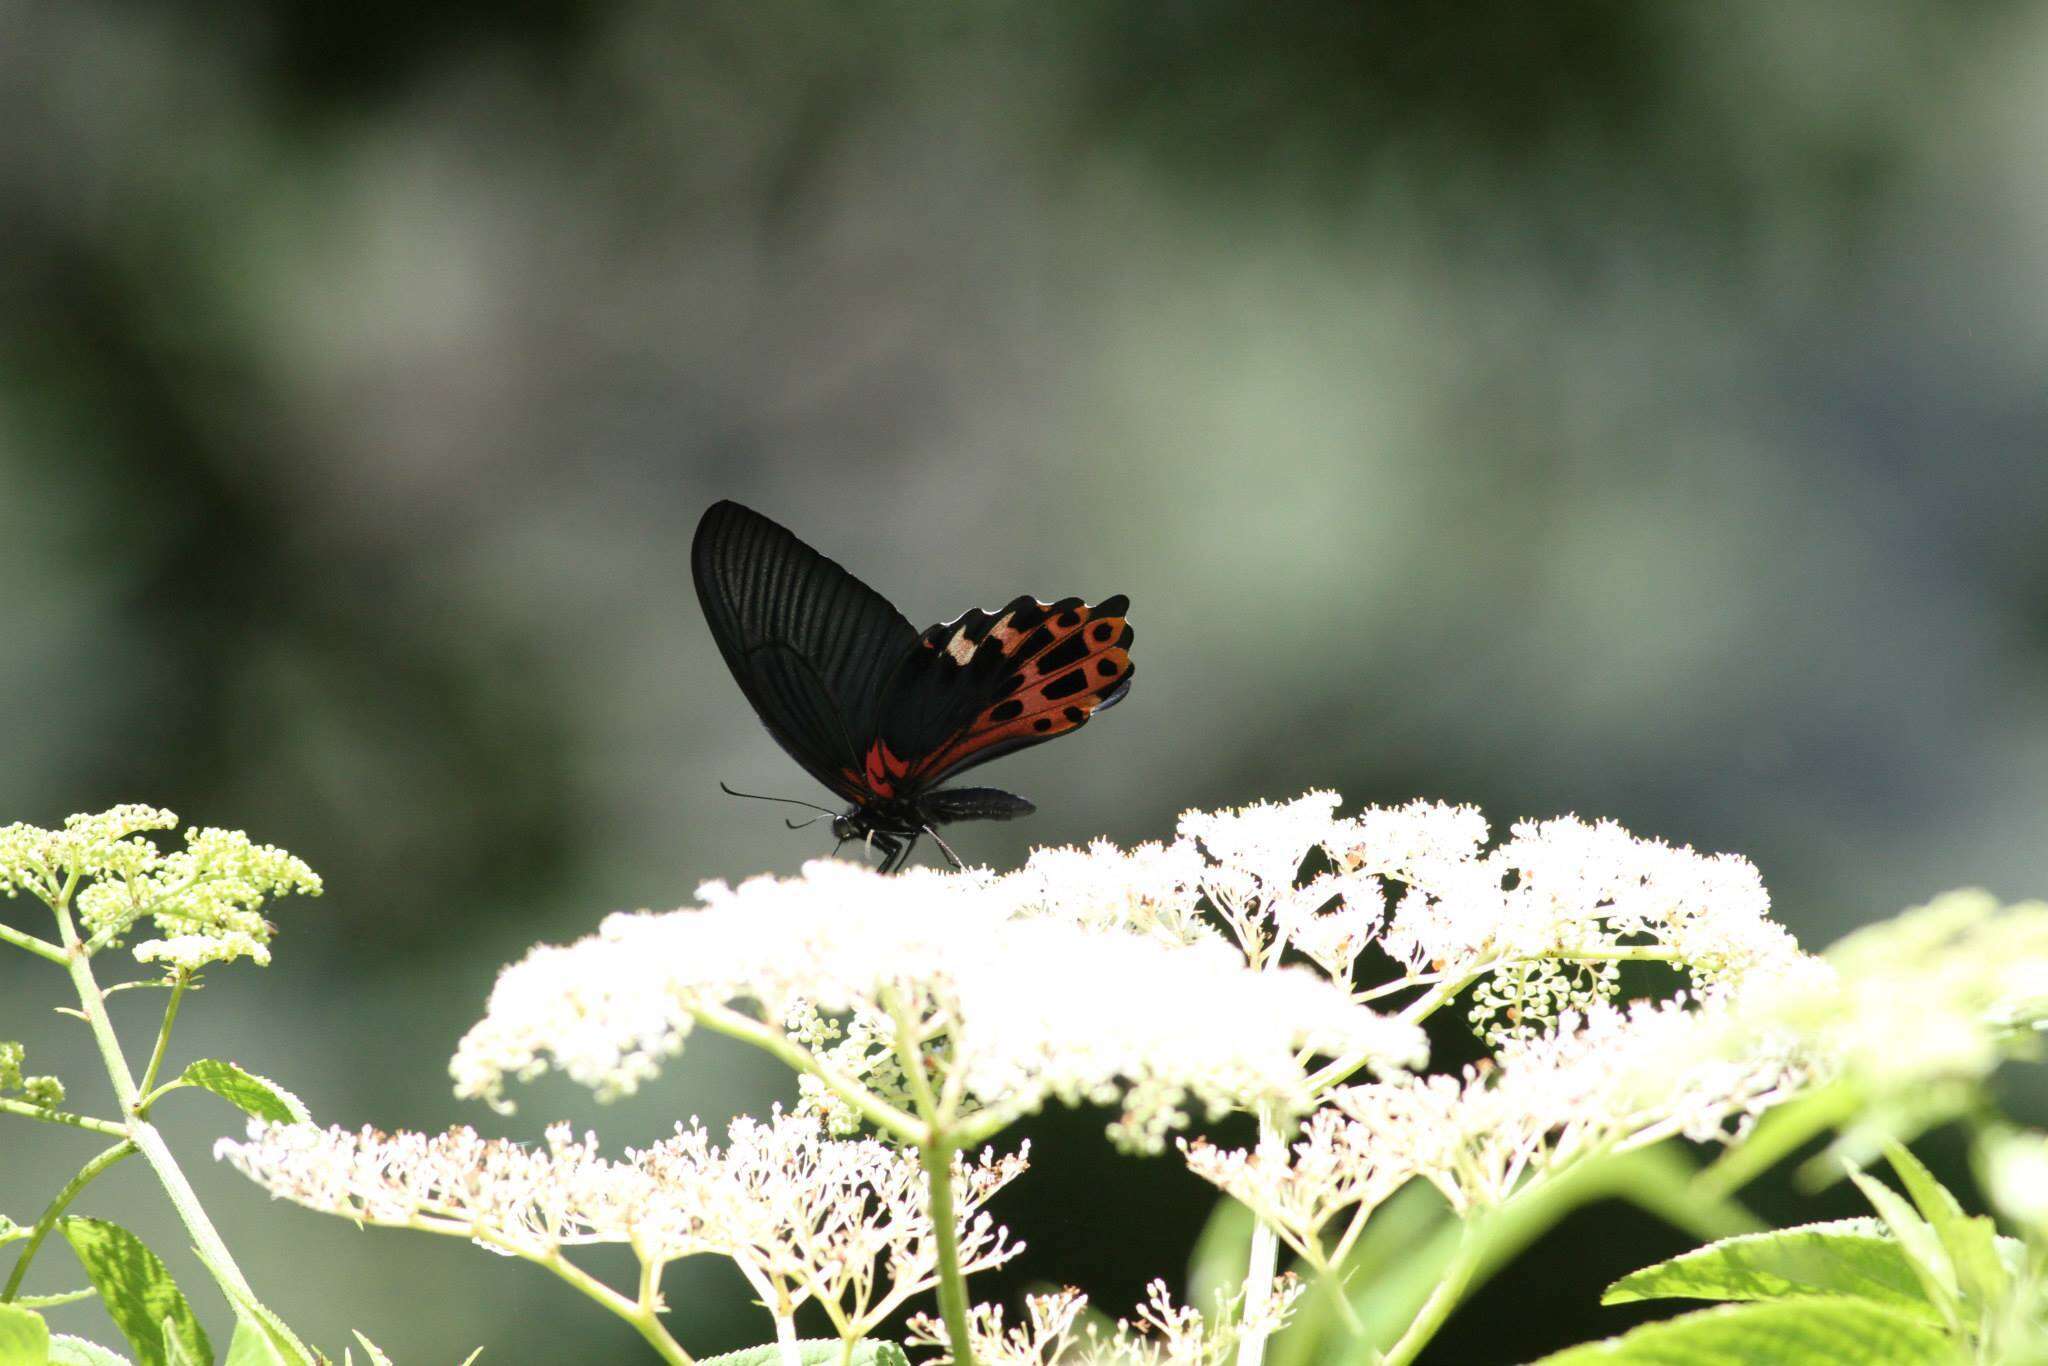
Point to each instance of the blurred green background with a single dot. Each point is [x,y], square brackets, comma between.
[1628,409]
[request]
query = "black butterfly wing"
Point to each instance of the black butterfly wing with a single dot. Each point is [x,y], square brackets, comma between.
[810,645]
[990,683]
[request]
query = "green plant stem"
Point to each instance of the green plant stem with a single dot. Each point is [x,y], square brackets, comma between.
[41,948]
[64,1197]
[144,1135]
[27,1111]
[1781,1132]
[147,1085]
[884,1116]
[1264,1260]
[645,1320]
[938,1168]
[1450,1288]
[935,1153]
[786,1340]
[1656,1178]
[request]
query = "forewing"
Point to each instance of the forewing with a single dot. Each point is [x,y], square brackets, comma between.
[810,645]
[990,683]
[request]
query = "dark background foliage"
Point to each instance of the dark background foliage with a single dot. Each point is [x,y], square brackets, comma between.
[1628,409]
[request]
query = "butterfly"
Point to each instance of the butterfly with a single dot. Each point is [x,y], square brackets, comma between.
[880,712]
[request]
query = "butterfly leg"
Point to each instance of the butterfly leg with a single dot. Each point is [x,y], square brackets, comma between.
[890,848]
[945,848]
[899,855]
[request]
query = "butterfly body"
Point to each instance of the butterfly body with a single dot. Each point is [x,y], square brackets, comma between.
[879,712]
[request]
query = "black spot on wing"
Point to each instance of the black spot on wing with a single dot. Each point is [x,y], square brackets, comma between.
[1066,685]
[1006,711]
[1025,615]
[1072,650]
[1043,723]
[1034,643]
[1076,715]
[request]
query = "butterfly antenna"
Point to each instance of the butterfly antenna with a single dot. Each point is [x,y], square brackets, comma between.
[805,825]
[792,801]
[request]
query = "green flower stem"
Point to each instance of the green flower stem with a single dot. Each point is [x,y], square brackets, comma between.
[1777,1136]
[1656,1179]
[27,1111]
[144,1135]
[41,948]
[42,1228]
[1450,1288]
[921,1093]
[979,1127]
[935,1153]
[938,1169]
[1264,1259]
[884,1116]
[788,1349]
[58,1300]
[148,1086]
[645,1320]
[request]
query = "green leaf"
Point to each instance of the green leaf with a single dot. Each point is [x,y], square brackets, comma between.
[1852,1257]
[175,1350]
[1390,1272]
[1218,1260]
[1816,1332]
[1971,1244]
[823,1352]
[377,1357]
[1918,1239]
[253,1095]
[252,1345]
[470,1360]
[24,1337]
[138,1291]
[248,1310]
[54,1301]
[69,1351]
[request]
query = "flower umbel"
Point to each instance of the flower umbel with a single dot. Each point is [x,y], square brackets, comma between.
[204,899]
[1005,1012]
[804,1216]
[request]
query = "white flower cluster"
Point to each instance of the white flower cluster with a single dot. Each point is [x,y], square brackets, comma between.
[1913,1012]
[804,1216]
[1161,1333]
[204,898]
[1539,923]
[1546,914]
[1613,1079]
[1010,1010]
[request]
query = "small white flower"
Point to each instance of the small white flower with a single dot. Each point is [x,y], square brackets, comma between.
[1338,1167]
[1160,1333]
